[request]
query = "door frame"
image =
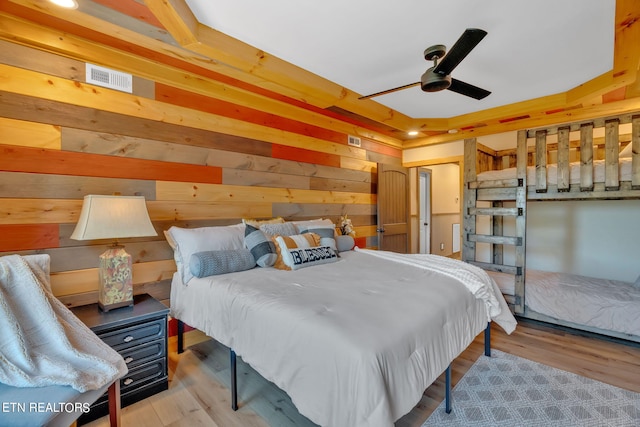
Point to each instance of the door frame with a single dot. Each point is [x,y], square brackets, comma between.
[459,160]
[421,196]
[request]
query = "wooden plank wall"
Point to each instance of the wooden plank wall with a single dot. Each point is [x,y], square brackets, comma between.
[197,159]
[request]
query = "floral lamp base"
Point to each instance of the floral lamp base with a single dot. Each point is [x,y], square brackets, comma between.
[115,288]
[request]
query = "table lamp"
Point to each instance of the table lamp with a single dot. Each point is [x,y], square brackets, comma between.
[114,217]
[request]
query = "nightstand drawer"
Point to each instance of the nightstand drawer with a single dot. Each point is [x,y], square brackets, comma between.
[135,335]
[143,374]
[140,354]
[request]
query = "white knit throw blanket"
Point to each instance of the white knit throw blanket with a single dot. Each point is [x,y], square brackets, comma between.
[42,343]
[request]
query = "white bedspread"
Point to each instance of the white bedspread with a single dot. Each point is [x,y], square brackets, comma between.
[353,343]
[610,305]
[42,343]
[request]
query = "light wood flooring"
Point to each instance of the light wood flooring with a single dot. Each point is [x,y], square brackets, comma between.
[198,393]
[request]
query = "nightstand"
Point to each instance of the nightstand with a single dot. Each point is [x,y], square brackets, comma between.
[139,334]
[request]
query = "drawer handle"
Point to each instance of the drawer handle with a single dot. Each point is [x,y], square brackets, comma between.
[128,338]
[128,381]
[128,360]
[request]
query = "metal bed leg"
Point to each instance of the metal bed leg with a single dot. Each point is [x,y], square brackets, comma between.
[447,390]
[180,336]
[487,340]
[234,388]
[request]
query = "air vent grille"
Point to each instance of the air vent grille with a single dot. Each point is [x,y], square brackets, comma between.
[106,77]
[354,141]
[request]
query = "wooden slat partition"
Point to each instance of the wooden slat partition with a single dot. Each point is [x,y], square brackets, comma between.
[611,158]
[586,157]
[521,222]
[469,194]
[563,159]
[635,148]
[541,161]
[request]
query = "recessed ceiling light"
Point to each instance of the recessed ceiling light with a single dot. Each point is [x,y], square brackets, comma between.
[68,4]
[452,131]
[412,132]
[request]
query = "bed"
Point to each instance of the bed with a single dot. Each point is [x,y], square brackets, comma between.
[608,150]
[354,342]
[610,307]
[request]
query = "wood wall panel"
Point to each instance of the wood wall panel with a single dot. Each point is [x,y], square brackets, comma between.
[21,237]
[44,161]
[198,158]
[166,190]
[33,185]
[29,134]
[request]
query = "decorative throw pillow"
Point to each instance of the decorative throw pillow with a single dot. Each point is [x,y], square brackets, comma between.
[345,243]
[188,241]
[284,243]
[302,250]
[327,233]
[258,222]
[282,229]
[306,257]
[211,263]
[261,247]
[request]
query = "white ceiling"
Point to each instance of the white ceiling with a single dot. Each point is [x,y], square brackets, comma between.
[533,48]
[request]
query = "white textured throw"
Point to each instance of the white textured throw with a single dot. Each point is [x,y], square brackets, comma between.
[42,342]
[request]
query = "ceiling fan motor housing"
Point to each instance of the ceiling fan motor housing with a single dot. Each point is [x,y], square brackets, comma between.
[434,82]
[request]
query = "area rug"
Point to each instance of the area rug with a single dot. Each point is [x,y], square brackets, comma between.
[506,390]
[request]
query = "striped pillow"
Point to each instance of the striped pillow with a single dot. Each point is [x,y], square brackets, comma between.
[327,234]
[261,247]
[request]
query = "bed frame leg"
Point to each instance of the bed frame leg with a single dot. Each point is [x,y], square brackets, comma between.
[180,336]
[234,387]
[447,390]
[487,340]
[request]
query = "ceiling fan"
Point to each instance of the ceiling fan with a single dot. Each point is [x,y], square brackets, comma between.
[438,77]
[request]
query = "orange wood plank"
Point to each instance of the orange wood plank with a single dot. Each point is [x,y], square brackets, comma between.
[40,160]
[133,9]
[302,155]
[360,242]
[204,103]
[23,237]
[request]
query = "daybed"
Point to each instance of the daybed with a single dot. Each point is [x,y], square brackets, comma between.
[494,191]
[354,341]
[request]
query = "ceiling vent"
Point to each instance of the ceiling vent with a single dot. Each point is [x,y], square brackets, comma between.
[109,78]
[354,141]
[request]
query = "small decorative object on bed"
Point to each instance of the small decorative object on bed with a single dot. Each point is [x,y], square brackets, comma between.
[114,217]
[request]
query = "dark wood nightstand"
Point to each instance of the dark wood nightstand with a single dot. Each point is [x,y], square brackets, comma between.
[139,334]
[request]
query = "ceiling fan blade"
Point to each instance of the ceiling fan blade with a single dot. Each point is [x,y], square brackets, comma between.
[469,90]
[465,44]
[395,89]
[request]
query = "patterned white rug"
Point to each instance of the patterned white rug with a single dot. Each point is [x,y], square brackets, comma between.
[506,390]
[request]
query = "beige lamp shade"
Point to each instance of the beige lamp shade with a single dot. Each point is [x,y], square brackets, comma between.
[113,217]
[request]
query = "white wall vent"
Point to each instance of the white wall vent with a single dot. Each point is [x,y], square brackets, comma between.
[354,141]
[112,79]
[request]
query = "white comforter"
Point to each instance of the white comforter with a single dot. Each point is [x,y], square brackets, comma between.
[353,343]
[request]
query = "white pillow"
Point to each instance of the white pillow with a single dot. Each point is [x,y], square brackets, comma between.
[626,152]
[188,241]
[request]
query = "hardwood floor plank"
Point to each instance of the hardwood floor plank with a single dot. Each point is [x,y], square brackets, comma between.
[199,394]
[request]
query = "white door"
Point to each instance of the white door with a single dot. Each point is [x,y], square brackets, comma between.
[425,211]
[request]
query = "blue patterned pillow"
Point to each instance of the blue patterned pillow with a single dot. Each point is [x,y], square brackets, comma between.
[262,248]
[211,263]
